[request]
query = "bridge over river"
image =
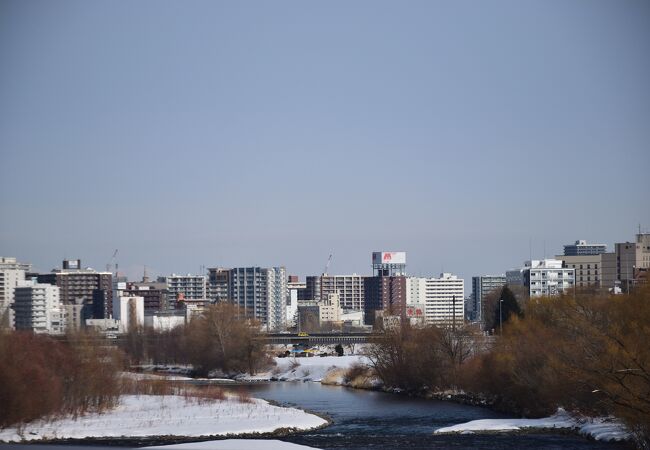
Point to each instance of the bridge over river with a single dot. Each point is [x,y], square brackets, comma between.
[318,338]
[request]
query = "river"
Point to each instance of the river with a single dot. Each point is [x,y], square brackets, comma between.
[377,420]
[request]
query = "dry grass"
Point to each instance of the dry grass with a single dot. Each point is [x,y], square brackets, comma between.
[243,396]
[203,395]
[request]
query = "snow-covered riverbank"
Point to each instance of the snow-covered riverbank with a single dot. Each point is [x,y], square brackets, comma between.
[171,415]
[603,429]
[305,369]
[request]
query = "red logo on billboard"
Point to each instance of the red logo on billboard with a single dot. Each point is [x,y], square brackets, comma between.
[387,256]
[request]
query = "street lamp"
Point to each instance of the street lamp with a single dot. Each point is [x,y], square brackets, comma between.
[500,318]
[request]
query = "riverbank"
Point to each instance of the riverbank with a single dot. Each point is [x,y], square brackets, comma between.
[599,428]
[158,419]
[313,368]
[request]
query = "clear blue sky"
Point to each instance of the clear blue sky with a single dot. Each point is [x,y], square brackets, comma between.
[273,133]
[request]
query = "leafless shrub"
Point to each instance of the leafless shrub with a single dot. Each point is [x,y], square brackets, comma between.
[41,377]
[294,364]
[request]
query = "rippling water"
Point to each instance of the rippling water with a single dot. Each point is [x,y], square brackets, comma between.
[376,420]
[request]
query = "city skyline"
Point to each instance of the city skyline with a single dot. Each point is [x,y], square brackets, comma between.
[227,134]
[135,273]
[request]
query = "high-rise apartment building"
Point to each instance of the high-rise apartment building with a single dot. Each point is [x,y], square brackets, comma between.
[387,294]
[12,273]
[351,289]
[444,300]
[261,294]
[185,287]
[481,287]
[218,284]
[77,290]
[441,298]
[38,308]
[154,295]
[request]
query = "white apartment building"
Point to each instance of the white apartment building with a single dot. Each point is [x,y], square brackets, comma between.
[547,277]
[292,303]
[277,298]
[416,290]
[129,311]
[11,274]
[442,298]
[38,308]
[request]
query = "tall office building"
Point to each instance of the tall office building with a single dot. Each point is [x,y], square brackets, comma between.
[481,287]
[12,273]
[588,269]
[587,262]
[261,294]
[38,308]
[631,259]
[581,248]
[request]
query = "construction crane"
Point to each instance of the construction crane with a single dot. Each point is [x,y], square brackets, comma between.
[112,263]
[327,266]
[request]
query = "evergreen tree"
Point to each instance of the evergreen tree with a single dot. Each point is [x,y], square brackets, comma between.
[509,307]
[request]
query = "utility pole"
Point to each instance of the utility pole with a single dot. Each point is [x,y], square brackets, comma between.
[500,318]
